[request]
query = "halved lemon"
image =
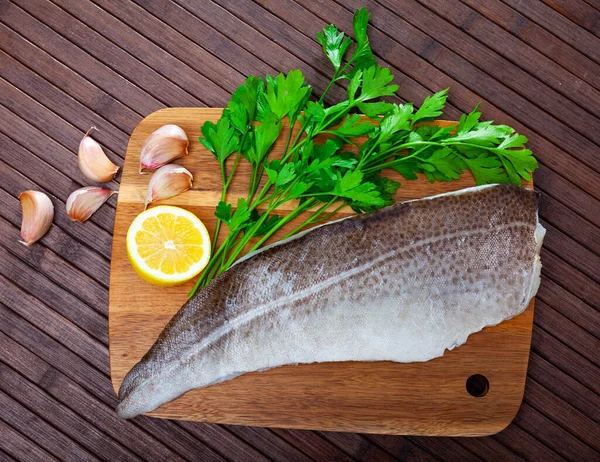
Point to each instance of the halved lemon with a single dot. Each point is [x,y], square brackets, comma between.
[167,245]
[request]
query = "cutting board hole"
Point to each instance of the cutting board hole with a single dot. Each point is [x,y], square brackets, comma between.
[478,385]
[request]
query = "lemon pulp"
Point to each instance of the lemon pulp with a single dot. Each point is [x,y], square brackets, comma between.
[167,245]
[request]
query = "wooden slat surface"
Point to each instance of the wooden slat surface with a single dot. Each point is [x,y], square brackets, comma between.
[67,65]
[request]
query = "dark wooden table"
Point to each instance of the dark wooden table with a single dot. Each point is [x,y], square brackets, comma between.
[70,64]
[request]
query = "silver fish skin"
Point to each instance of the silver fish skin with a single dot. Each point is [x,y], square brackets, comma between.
[404,284]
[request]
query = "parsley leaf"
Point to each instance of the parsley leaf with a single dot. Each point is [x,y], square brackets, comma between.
[267,225]
[236,113]
[386,189]
[486,169]
[468,121]
[375,82]
[408,169]
[240,215]
[387,186]
[268,222]
[514,140]
[373,110]
[521,160]
[285,175]
[483,133]
[353,127]
[298,189]
[432,107]
[354,85]
[314,112]
[223,211]
[220,139]
[365,194]
[446,163]
[271,174]
[396,120]
[241,109]
[328,148]
[335,44]
[348,181]
[280,175]
[351,187]
[363,55]
[265,136]
[285,93]
[236,219]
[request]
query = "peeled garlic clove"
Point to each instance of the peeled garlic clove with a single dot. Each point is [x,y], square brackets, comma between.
[83,202]
[93,163]
[168,181]
[38,213]
[165,144]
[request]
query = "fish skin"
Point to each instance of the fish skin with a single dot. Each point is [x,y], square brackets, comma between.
[402,284]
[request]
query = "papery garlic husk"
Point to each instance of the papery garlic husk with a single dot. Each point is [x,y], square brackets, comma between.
[93,162]
[165,144]
[38,213]
[83,202]
[168,181]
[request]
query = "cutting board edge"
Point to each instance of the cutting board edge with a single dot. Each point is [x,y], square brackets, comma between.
[442,431]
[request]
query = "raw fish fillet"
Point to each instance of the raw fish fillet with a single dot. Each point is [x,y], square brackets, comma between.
[402,284]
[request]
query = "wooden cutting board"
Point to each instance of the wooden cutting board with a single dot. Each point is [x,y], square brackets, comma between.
[374,397]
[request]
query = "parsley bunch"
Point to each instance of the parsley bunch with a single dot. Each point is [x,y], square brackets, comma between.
[345,166]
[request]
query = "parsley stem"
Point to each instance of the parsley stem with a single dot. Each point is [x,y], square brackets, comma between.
[343,138]
[327,88]
[252,189]
[201,280]
[248,234]
[282,223]
[223,194]
[294,149]
[330,214]
[235,163]
[387,153]
[289,136]
[268,184]
[385,165]
[338,74]
[425,144]
[212,273]
[250,184]
[225,184]
[297,138]
[313,217]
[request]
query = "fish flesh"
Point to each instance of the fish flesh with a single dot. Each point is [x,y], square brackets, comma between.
[405,283]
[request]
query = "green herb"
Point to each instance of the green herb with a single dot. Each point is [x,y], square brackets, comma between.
[346,168]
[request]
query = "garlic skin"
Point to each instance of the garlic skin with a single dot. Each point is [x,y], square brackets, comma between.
[168,181]
[93,162]
[83,202]
[162,146]
[38,213]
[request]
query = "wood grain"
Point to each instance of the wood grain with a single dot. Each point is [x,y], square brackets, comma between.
[381,397]
[45,55]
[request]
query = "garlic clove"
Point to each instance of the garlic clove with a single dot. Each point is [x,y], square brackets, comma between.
[168,181]
[93,162]
[165,144]
[38,213]
[83,202]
